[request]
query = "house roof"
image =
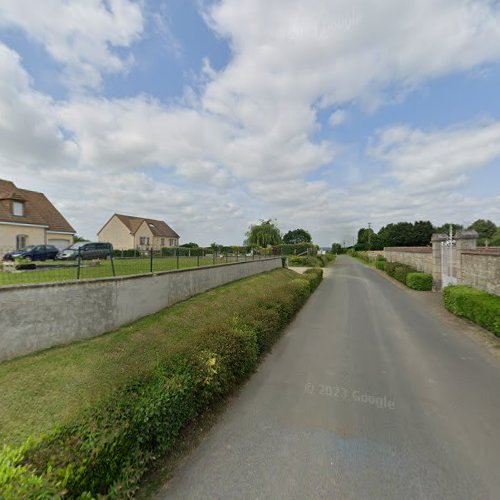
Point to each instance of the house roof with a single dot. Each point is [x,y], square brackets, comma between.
[38,209]
[157,227]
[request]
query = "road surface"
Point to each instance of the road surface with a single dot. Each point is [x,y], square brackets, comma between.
[373,392]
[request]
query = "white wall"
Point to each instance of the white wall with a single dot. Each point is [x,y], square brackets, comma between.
[35,317]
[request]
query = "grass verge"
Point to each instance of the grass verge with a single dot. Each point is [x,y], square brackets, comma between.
[89,418]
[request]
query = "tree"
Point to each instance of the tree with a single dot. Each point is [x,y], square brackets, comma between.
[484,228]
[337,248]
[79,239]
[190,245]
[422,233]
[263,234]
[445,228]
[297,236]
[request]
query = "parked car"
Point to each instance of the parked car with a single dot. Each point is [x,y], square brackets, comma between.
[33,252]
[86,250]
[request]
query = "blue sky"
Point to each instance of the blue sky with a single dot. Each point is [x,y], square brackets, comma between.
[213,115]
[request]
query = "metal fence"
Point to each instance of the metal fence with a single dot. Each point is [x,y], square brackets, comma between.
[120,264]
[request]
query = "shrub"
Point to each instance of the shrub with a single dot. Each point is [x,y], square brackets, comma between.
[381,258]
[419,281]
[476,305]
[304,261]
[401,271]
[315,276]
[379,264]
[389,267]
[108,447]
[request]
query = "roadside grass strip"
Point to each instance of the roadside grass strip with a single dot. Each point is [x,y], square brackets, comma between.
[88,419]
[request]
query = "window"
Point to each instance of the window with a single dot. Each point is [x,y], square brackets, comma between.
[18,208]
[144,240]
[21,241]
[173,242]
[163,242]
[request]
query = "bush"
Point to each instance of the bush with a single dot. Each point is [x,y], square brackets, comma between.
[303,261]
[390,267]
[476,305]
[379,264]
[419,281]
[315,276]
[401,271]
[108,447]
[381,258]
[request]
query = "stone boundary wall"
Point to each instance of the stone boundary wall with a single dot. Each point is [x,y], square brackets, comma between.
[481,269]
[418,257]
[39,316]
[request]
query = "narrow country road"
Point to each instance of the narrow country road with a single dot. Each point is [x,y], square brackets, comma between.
[372,393]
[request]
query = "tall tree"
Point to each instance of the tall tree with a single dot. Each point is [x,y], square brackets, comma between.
[445,228]
[297,236]
[485,228]
[263,234]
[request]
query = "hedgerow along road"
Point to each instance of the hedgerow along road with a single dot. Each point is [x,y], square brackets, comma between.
[373,392]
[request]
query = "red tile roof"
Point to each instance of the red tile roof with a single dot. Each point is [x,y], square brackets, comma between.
[38,209]
[157,227]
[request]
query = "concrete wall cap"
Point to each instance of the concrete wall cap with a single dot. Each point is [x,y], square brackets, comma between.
[467,235]
[439,237]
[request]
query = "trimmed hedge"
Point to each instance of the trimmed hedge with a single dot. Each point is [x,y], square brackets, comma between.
[389,267]
[106,449]
[401,271]
[419,281]
[481,307]
[379,264]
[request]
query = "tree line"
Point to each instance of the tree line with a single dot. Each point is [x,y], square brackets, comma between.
[417,234]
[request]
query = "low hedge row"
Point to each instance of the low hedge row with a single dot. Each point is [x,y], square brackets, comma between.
[407,275]
[481,307]
[108,448]
[419,281]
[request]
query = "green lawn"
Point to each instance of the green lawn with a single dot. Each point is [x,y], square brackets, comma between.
[67,271]
[54,386]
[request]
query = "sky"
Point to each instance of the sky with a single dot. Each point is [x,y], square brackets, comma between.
[212,115]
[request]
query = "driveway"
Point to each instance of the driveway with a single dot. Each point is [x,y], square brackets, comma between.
[372,392]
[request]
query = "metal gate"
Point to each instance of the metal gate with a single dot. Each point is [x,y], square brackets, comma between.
[449,261]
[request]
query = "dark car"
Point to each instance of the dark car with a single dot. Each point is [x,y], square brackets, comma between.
[86,251]
[33,252]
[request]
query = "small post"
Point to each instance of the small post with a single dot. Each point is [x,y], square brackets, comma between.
[198,260]
[226,256]
[113,264]
[237,254]
[79,259]
[177,253]
[151,260]
[214,255]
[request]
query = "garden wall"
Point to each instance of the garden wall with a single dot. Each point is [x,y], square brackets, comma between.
[38,316]
[418,257]
[481,269]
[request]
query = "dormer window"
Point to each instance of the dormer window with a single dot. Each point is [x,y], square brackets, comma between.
[18,208]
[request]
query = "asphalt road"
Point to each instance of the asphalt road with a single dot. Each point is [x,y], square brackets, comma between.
[373,392]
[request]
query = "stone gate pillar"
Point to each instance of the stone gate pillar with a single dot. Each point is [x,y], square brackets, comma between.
[436,241]
[466,240]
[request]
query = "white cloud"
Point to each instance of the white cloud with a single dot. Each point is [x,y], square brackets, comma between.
[441,158]
[242,145]
[29,130]
[81,35]
[337,117]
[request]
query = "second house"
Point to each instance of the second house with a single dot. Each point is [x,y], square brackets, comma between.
[126,232]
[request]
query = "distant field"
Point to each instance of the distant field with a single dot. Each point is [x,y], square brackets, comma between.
[53,271]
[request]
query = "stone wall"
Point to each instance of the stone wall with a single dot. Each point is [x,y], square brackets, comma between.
[418,257]
[39,316]
[481,269]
